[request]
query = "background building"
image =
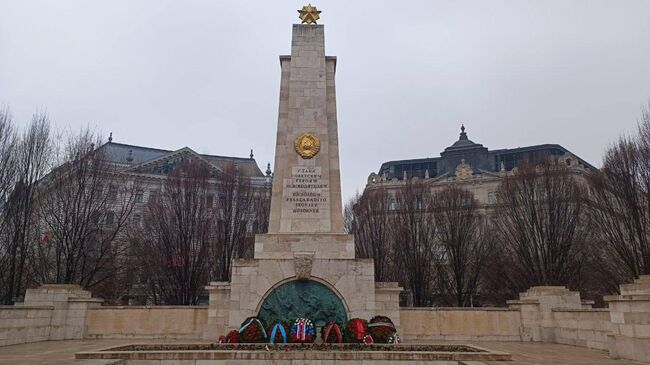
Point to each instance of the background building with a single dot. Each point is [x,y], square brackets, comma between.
[471,166]
[150,166]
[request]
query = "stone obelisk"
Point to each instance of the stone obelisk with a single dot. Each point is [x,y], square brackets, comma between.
[305,265]
[306,208]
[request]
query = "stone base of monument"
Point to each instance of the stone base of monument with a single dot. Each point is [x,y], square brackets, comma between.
[344,354]
[284,289]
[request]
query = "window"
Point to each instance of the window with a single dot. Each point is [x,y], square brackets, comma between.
[135,220]
[94,217]
[209,200]
[112,192]
[441,229]
[394,205]
[491,198]
[110,217]
[99,191]
[153,195]
[139,195]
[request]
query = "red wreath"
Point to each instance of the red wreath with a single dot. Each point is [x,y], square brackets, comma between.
[381,328]
[355,329]
[331,333]
[252,330]
[232,337]
[278,336]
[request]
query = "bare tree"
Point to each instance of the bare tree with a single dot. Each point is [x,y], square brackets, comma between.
[177,236]
[236,212]
[620,206]
[84,206]
[8,141]
[261,208]
[348,214]
[8,148]
[371,222]
[464,242]
[541,226]
[414,241]
[32,161]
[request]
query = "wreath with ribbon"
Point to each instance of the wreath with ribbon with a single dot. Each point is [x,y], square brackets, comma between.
[278,333]
[331,333]
[381,328]
[252,330]
[232,337]
[303,331]
[355,329]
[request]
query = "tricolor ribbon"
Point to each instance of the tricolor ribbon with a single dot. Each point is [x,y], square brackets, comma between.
[301,329]
[283,332]
[377,324]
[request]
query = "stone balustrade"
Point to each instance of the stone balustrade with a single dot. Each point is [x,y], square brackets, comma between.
[541,314]
[49,312]
[630,317]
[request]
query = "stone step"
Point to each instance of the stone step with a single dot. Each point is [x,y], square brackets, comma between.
[640,286]
[101,362]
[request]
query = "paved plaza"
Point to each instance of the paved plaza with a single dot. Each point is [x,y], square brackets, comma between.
[62,353]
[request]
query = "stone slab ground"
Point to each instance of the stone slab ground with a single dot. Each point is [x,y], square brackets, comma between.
[62,353]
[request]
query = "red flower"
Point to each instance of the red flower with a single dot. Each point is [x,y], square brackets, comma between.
[232,337]
[367,339]
[355,329]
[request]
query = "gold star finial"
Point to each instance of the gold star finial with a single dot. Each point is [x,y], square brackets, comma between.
[309,14]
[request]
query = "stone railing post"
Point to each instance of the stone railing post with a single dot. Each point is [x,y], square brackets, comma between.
[536,307]
[70,308]
[218,310]
[630,317]
[387,301]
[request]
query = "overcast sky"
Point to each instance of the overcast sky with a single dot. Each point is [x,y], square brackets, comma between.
[205,74]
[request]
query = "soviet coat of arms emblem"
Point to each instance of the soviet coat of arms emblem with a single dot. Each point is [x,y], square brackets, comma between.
[307,145]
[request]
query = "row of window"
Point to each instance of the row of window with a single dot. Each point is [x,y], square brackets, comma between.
[139,195]
[153,195]
[491,200]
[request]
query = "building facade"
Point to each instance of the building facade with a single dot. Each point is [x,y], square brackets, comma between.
[151,166]
[470,166]
[144,170]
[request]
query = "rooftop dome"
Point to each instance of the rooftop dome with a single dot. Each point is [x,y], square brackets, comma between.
[463,142]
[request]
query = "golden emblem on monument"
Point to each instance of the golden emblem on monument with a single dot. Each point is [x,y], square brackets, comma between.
[307,145]
[309,14]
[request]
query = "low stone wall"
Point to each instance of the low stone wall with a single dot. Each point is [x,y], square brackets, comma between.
[630,319]
[467,324]
[582,327]
[180,322]
[542,314]
[24,324]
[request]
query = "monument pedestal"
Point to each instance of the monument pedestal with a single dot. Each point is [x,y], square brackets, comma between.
[322,245]
[305,265]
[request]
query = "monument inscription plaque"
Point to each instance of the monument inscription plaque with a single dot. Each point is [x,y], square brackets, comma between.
[306,192]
